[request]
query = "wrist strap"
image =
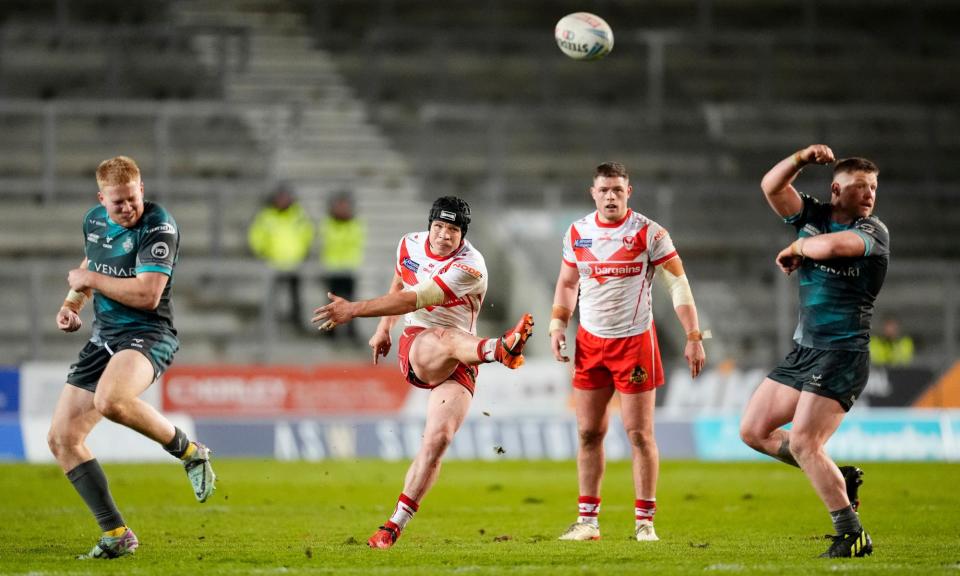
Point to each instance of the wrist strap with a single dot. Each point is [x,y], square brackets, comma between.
[74,300]
[698,336]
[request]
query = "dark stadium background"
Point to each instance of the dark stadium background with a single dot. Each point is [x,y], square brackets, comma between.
[402,101]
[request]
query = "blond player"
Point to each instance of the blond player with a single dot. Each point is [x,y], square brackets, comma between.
[438,285]
[609,258]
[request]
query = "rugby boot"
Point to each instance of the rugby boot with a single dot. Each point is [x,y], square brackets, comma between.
[855,545]
[509,350]
[200,473]
[645,532]
[852,478]
[385,537]
[581,531]
[110,547]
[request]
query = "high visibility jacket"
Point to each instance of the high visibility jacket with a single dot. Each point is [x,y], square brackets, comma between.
[343,243]
[281,237]
[884,352]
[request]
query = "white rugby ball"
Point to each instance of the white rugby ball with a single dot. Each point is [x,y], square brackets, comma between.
[584,36]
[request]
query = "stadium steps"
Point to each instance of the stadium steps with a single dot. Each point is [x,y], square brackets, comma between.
[326,142]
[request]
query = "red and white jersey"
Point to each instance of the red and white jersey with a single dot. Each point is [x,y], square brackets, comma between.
[461,275]
[616,263]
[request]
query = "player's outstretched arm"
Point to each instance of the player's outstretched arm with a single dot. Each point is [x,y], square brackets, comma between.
[564,301]
[777,183]
[340,311]
[674,277]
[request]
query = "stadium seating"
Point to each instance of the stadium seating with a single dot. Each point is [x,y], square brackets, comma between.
[406,100]
[698,99]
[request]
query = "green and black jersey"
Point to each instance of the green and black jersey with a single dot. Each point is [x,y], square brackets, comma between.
[837,295]
[152,245]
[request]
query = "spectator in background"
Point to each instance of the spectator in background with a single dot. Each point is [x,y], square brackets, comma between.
[343,238]
[281,235]
[891,348]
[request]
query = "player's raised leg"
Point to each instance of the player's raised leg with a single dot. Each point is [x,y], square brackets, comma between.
[128,374]
[637,413]
[446,409]
[436,352]
[772,405]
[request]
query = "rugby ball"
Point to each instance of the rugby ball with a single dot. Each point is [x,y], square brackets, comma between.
[584,36]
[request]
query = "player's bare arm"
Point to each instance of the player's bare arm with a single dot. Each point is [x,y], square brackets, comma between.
[381,342]
[675,278]
[777,184]
[340,311]
[143,291]
[844,244]
[564,302]
[68,317]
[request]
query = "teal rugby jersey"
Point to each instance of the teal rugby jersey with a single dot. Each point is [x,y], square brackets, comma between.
[150,246]
[837,296]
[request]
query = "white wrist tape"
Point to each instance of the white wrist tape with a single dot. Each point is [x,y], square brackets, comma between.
[678,286]
[75,300]
[555,325]
[429,293]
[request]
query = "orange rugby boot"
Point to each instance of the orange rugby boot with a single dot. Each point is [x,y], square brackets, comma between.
[509,350]
[384,538]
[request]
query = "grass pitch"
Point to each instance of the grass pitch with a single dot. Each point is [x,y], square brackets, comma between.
[481,518]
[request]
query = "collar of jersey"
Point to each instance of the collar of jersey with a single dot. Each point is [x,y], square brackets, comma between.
[616,224]
[114,227]
[426,245]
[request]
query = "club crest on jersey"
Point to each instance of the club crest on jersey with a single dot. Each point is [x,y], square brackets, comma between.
[639,375]
[629,242]
[127,245]
[583,243]
[410,265]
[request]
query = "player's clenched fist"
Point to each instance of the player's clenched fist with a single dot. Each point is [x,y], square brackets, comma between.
[68,320]
[815,154]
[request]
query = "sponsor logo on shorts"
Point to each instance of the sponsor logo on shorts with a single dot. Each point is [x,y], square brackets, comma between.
[136,343]
[583,243]
[639,375]
[160,250]
[816,380]
[468,269]
[410,265]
